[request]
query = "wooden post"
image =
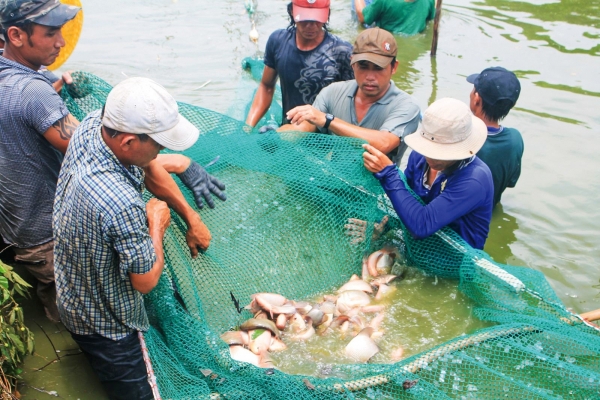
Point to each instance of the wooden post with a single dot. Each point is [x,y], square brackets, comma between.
[436,25]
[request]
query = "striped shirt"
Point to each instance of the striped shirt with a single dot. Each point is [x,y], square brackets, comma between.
[101,235]
[29,165]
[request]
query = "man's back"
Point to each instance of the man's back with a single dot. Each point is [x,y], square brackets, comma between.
[400,16]
[469,187]
[502,152]
[29,165]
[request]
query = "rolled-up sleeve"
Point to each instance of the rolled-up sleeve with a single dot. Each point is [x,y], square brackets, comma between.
[41,105]
[132,242]
[403,120]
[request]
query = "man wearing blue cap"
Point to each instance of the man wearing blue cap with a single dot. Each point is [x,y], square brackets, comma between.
[35,130]
[495,92]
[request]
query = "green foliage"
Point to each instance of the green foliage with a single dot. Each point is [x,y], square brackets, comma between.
[16,340]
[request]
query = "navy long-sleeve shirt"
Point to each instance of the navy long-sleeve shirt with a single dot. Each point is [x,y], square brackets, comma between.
[461,199]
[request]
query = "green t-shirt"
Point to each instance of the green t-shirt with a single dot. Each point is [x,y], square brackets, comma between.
[502,152]
[400,16]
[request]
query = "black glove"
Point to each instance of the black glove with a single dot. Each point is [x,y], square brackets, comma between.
[202,184]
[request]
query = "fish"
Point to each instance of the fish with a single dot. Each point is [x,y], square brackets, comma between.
[384,290]
[235,338]
[380,262]
[268,301]
[356,285]
[297,323]
[303,307]
[259,342]
[362,348]
[383,280]
[242,354]
[351,299]
[281,321]
[254,323]
[307,333]
[277,345]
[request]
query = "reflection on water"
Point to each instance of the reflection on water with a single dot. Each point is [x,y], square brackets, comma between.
[422,312]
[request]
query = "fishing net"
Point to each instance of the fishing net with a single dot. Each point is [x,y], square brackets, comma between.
[282,230]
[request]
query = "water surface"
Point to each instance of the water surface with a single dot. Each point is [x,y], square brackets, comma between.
[549,222]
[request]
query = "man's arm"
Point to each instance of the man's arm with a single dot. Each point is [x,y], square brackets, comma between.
[422,220]
[60,133]
[264,96]
[299,117]
[160,183]
[359,6]
[174,163]
[159,218]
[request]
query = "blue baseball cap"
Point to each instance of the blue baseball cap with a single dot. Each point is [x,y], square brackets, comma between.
[495,84]
[43,12]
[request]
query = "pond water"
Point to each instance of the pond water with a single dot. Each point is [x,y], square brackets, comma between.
[420,312]
[549,222]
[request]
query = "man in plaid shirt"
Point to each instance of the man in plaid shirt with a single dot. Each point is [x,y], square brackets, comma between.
[108,243]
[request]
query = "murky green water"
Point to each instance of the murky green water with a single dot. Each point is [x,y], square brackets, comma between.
[422,311]
[549,222]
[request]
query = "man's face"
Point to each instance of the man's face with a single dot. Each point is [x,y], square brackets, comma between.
[372,80]
[43,46]
[309,30]
[144,151]
[439,165]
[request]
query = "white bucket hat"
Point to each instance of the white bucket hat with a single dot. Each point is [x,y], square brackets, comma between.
[449,131]
[140,105]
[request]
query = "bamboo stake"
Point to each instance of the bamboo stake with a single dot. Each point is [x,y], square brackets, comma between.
[436,25]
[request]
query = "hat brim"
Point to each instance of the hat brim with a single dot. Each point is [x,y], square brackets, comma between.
[449,151]
[58,16]
[472,78]
[310,14]
[180,137]
[377,59]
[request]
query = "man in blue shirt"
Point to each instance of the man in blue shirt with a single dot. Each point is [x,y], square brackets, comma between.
[444,172]
[305,57]
[35,130]
[108,243]
[495,92]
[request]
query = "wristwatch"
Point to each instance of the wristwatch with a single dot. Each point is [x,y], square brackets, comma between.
[328,119]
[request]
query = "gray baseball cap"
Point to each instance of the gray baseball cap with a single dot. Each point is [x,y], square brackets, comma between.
[43,12]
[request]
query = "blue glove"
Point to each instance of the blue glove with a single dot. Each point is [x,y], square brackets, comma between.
[202,184]
[267,128]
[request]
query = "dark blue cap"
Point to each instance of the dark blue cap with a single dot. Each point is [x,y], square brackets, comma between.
[495,84]
[43,12]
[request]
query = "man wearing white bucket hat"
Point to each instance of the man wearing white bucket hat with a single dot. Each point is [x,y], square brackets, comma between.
[443,170]
[108,242]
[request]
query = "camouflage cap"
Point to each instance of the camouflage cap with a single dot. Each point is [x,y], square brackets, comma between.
[43,12]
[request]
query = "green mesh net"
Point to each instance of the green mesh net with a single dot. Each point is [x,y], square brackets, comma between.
[281,230]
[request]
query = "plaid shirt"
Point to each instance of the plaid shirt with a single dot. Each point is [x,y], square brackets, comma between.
[101,235]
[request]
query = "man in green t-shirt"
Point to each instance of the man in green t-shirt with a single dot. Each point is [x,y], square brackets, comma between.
[407,17]
[495,92]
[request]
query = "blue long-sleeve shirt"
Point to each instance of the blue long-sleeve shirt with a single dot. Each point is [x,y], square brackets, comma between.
[461,199]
